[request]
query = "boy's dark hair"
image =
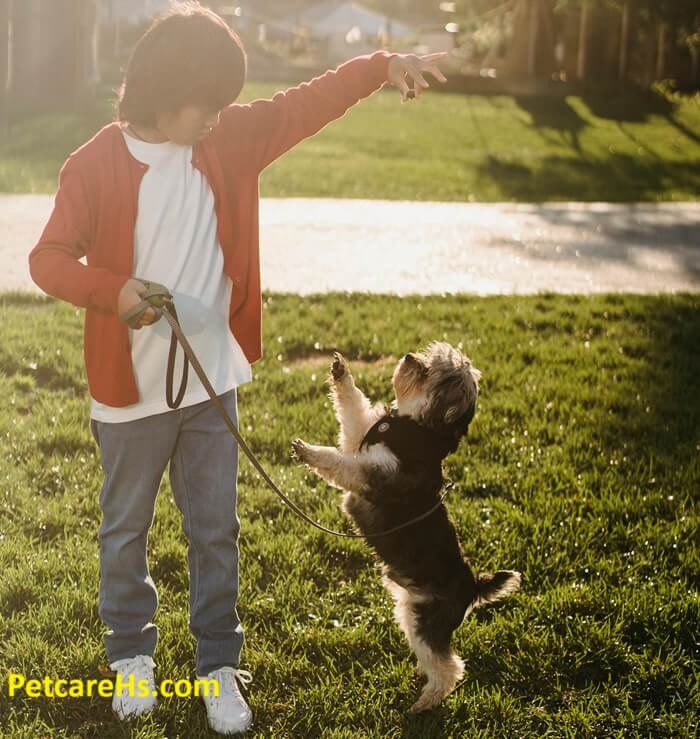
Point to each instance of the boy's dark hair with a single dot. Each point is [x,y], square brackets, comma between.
[188,56]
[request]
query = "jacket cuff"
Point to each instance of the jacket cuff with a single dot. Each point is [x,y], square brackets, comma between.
[379,64]
[107,297]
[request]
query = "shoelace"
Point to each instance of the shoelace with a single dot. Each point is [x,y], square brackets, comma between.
[129,666]
[140,664]
[229,675]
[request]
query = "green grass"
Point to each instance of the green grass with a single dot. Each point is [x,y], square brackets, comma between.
[444,147]
[582,469]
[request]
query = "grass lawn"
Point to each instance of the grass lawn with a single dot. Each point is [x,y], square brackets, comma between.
[582,469]
[443,147]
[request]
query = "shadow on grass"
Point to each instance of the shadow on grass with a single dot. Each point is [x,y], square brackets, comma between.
[554,113]
[629,107]
[614,178]
[617,178]
[426,725]
[638,109]
[46,376]
[665,422]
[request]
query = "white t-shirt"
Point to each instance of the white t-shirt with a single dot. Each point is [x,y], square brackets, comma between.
[176,245]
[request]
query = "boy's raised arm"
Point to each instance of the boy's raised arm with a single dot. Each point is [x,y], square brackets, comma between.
[53,262]
[266,129]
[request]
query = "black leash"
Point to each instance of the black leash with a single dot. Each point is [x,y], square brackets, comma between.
[159,298]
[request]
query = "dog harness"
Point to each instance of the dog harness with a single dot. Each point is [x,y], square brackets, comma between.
[412,442]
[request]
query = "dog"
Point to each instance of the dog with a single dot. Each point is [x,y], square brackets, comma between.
[389,463]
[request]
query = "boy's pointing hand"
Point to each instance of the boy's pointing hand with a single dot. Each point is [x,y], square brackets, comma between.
[405,68]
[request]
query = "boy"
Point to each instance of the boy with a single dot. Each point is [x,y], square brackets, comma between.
[169,192]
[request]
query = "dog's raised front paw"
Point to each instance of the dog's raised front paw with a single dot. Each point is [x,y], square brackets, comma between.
[300,450]
[339,368]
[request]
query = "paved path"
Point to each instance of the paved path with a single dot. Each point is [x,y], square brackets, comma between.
[380,246]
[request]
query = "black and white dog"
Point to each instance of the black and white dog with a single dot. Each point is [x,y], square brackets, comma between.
[389,462]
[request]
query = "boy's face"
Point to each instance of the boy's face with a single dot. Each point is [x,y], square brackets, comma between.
[189,125]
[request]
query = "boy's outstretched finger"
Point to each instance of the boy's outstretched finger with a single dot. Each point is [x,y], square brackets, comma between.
[436,73]
[418,77]
[436,56]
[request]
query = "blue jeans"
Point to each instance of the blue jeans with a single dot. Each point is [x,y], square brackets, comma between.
[203,458]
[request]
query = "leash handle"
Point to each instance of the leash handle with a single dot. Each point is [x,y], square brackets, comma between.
[171,318]
[155,295]
[175,403]
[159,298]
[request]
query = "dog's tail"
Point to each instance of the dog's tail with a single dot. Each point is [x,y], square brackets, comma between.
[490,588]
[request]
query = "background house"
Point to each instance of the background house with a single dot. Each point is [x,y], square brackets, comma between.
[345,29]
[131,11]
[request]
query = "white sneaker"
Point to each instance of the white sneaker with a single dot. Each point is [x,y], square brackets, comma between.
[228,713]
[129,703]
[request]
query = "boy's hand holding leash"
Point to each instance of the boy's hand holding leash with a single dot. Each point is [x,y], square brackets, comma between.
[131,295]
[405,68]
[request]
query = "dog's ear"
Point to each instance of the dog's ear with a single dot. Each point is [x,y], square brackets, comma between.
[451,414]
[415,361]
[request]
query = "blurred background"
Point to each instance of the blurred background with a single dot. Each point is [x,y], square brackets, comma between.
[516,46]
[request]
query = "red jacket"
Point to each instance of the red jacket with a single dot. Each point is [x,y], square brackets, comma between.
[95,213]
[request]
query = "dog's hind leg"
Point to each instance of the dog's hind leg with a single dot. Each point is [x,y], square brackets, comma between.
[352,408]
[428,624]
[443,668]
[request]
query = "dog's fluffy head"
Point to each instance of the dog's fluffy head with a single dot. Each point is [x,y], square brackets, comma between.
[437,387]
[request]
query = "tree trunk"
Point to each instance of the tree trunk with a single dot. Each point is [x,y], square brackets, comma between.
[92,25]
[532,45]
[624,41]
[5,10]
[117,37]
[695,57]
[661,51]
[54,52]
[582,61]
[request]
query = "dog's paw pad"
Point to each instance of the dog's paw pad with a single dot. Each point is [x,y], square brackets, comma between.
[339,367]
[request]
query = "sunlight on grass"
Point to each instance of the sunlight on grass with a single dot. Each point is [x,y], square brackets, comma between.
[581,469]
[443,147]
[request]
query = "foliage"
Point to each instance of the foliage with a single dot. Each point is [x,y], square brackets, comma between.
[684,12]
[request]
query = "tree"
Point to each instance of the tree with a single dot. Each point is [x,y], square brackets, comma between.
[655,30]
[4,66]
[54,51]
